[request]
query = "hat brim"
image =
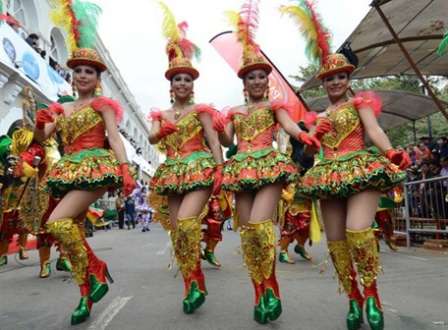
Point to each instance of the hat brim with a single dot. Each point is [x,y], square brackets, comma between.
[256,66]
[170,73]
[347,68]
[74,62]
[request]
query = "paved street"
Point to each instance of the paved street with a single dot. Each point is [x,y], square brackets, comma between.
[146,295]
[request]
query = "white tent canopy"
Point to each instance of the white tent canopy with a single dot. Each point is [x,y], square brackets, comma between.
[420,25]
[399,107]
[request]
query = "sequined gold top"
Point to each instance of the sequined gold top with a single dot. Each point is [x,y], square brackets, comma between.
[83,129]
[187,139]
[347,134]
[254,131]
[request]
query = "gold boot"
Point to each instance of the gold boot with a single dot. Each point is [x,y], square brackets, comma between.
[284,256]
[188,253]
[258,245]
[23,238]
[342,261]
[70,236]
[363,247]
[45,265]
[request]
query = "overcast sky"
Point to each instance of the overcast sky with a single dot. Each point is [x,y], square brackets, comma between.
[131,30]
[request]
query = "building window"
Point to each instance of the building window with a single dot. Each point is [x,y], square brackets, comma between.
[58,50]
[17,10]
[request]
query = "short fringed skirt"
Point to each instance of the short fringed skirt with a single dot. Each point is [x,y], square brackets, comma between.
[88,169]
[350,174]
[247,171]
[181,175]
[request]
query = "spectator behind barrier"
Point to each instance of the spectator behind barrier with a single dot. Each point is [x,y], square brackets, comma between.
[33,41]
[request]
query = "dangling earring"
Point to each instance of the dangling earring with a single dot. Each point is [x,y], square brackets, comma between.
[171,96]
[98,89]
[266,94]
[246,96]
[191,100]
[74,89]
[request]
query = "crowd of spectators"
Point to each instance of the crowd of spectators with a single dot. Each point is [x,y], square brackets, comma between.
[429,158]
[34,41]
[138,150]
[428,200]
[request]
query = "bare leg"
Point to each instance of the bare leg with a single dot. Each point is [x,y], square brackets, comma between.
[193,203]
[265,203]
[74,203]
[174,202]
[243,202]
[361,210]
[334,213]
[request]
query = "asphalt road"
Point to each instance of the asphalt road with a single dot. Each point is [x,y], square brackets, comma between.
[147,295]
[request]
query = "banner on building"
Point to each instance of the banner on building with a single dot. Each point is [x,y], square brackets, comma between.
[19,56]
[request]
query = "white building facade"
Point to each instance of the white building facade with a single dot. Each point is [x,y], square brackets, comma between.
[21,66]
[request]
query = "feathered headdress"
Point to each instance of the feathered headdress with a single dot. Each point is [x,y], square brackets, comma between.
[79,19]
[179,49]
[317,36]
[245,23]
[443,46]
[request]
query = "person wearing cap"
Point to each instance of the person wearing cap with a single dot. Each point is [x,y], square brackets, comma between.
[347,176]
[190,173]
[89,166]
[257,172]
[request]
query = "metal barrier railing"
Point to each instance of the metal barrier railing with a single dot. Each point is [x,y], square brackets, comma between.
[423,214]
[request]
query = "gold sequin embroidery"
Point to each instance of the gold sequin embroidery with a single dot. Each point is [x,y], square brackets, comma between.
[258,245]
[78,123]
[187,244]
[188,127]
[70,237]
[342,262]
[363,246]
[344,119]
[249,126]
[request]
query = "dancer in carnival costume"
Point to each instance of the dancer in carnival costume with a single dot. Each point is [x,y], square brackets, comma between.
[384,223]
[347,176]
[219,210]
[257,172]
[88,167]
[194,157]
[294,223]
[295,213]
[45,204]
[25,203]
[37,204]
[17,170]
